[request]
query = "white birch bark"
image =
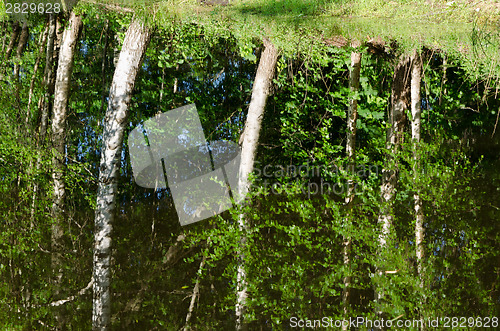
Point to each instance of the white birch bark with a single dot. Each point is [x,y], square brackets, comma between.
[352,117]
[416,113]
[128,65]
[249,141]
[397,116]
[61,94]
[400,103]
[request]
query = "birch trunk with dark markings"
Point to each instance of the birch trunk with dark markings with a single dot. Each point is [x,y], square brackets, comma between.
[249,141]
[4,32]
[442,90]
[44,104]
[352,117]
[51,60]
[127,67]
[416,114]
[61,95]
[23,39]
[13,38]
[400,104]
[35,70]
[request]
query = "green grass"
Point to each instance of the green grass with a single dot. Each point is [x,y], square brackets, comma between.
[464,27]
[433,11]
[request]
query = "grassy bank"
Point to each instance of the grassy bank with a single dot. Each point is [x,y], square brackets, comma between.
[464,27]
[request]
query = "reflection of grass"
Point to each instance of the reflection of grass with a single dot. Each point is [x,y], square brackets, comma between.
[421,10]
[303,25]
[282,7]
[434,11]
[430,10]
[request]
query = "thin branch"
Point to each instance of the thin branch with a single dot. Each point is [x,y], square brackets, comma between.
[93,177]
[71,298]
[496,123]
[44,250]
[196,293]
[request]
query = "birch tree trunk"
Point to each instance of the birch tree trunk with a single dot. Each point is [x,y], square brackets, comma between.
[61,94]
[442,90]
[27,123]
[35,70]
[23,39]
[196,293]
[44,103]
[400,103]
[249,141]
[416,113]
[13,38]
[128,65]
[352,117]
[4,32]
[103,64]
[51,60]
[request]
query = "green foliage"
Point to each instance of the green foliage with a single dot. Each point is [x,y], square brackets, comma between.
[297,219]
